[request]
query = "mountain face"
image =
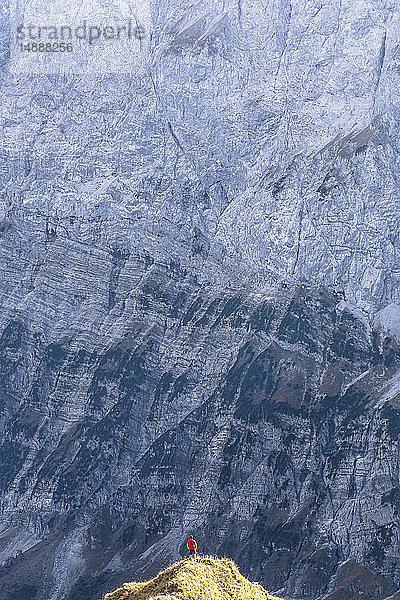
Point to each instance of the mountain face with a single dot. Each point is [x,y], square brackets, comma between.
[200,306]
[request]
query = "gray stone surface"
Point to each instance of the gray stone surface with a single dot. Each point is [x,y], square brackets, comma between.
[199,291]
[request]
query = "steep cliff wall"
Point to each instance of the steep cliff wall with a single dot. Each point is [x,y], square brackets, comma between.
[199,306]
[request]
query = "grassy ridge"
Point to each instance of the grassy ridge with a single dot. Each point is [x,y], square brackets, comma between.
[205,578]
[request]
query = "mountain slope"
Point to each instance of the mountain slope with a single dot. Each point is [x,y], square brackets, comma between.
[199,291]
[202,579]
[284,457]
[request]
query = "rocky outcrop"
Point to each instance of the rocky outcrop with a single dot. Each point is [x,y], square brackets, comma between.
[202,578]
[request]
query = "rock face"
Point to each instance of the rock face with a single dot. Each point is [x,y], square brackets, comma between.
[199,291]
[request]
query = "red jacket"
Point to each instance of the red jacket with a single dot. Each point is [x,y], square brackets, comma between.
[191,544]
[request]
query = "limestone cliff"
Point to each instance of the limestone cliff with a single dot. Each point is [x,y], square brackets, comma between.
[200,320]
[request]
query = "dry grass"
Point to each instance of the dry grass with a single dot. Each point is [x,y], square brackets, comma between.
[205,578]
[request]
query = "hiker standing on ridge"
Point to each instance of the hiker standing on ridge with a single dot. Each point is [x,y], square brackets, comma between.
[192,546]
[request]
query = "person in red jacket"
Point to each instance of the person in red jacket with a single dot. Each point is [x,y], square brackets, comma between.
[192,546]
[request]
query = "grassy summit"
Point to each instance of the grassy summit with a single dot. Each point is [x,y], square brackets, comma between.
[206,578]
